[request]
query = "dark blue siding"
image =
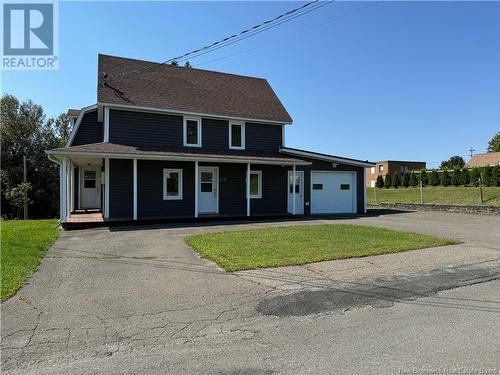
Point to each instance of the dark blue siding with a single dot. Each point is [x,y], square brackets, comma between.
[274,194]
[121,193]
[150,203]
[89,131]
[165,132]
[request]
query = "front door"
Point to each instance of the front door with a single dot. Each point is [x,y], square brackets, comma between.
[208,190]
[90,185]
[299,192]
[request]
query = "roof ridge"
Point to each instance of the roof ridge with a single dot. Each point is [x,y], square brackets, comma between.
[179,67]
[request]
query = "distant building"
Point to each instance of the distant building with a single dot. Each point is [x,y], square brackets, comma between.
[391,166]
[483,160]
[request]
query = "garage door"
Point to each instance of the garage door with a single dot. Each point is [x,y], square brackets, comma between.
[333,192]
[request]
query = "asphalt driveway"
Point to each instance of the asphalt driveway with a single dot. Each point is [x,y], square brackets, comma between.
[138,299]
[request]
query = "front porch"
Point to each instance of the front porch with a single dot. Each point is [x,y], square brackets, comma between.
[86,216]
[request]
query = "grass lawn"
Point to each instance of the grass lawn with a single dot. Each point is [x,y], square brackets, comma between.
[293,245]
[24,243]
[436,195]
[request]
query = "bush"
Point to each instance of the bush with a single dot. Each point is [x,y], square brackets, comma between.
[465,177]
[380,181]
[455,177]
[406,179]
[413,179]
[474,176]
[486,174]
[424,178]
[496,176]
[445,178]
[388,181]
[434,178]
[396,180]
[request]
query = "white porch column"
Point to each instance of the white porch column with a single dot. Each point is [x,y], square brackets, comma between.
[135,189]
[248,189]
[364,189]
[72,188]
[293,189]
[64,186]
[196,188]
[106,188]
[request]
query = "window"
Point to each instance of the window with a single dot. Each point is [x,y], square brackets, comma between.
[206,182]
[403,168]
[192,132]
[345,186]
[380,169]
[237,135]
[89,179]
[372,170]
[255,184]
[172,184]
[317,186]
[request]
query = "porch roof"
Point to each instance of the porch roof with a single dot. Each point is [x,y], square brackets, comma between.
[117,151]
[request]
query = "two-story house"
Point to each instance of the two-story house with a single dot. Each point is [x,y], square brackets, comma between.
[166,142]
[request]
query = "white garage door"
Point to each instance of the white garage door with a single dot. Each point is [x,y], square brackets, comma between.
[333,192]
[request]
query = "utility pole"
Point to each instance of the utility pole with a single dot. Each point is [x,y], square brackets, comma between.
[471,150]
[421,190]
[480,190]
[25,179]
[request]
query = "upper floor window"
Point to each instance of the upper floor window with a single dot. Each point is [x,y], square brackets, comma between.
[192,131]
[237,135]
[372,170]
[403,168]
[380,169]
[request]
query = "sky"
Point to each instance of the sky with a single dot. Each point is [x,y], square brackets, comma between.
[394,80]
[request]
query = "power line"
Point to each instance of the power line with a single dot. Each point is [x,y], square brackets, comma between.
[373,3]
[278,20]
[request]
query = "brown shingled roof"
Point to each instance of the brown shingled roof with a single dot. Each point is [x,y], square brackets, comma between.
[73,112]
[483,160]
[103,148]
[187,89]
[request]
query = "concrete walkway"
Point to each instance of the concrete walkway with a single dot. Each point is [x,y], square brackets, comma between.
[137,299]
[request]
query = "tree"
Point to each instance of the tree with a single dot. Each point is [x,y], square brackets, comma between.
[380,181]
[396,180]
[486,174]
[406,179]
[174,63]
[434,178]
[474,176]
[25,131]
[455,177]
[453,163]
[187,64]
[494,143]
[18,196]
[413,179]
[424,177]
[445,178]
[388,181]
[465,177]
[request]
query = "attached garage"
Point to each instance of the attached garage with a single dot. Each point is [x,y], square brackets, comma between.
[333,192]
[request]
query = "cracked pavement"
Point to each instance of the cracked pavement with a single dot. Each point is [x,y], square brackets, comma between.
[138,299]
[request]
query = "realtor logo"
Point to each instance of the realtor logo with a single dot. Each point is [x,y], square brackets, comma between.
[29,35]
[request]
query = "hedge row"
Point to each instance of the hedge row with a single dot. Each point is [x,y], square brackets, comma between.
[487,176]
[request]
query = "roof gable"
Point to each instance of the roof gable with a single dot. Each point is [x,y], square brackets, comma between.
[187,89]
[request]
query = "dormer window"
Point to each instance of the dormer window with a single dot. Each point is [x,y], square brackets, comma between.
[236,135]
[192,132]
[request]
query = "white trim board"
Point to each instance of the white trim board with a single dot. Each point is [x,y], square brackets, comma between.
[177,112]
[333,159]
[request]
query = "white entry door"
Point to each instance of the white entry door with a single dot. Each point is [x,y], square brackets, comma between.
[333,192]
[299,192]
[208,190]
[90,187]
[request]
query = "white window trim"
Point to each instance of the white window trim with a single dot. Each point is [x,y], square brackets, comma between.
[198,121]
[171,197]
[238,123]
[257,196]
